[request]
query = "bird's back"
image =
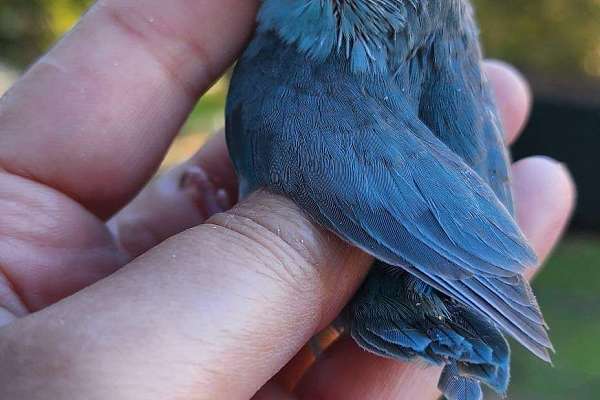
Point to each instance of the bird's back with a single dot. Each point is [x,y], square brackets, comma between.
[395,145]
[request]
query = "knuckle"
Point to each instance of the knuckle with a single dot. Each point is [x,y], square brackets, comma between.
[184,59]
[280,258]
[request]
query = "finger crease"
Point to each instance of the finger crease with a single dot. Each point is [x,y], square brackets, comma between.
[10,298]
[295,271]
[132,26]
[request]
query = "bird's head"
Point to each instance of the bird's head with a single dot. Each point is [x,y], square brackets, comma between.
[359,29]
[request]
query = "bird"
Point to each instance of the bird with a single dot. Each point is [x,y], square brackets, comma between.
[376,119]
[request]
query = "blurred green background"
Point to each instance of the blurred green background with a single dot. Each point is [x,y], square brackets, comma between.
[553,41]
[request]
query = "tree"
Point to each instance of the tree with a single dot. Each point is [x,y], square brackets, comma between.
[553,36]
[27,28]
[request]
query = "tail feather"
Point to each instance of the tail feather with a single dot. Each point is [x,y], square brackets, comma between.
[457,387]
[393,317]
[378,345]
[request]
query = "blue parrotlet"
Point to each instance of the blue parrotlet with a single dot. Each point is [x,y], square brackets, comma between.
[375,118]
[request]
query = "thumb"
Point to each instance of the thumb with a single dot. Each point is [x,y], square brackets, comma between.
[218,309]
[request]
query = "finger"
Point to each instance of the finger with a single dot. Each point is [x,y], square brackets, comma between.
[50,246]
[513,96]
[93,118]
[179,199]
[545,196]
[349,373]
[43,265]
[93,125]
[236,297]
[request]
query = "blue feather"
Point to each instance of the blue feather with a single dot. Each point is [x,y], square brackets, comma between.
[393,316]
[375,118]
[456,387]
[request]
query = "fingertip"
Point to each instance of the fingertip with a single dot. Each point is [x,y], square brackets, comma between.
[513,96]
[545,195]
[214,158]
[179,199]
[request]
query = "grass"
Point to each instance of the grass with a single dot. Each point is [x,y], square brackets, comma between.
[569,293]
[208,115]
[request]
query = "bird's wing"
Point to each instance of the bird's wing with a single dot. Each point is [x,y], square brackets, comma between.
[457,105]
[373,173]
[408,200]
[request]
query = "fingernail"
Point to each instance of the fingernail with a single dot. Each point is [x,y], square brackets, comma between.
[208,198]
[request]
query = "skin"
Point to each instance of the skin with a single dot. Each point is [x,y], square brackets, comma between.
[215,311]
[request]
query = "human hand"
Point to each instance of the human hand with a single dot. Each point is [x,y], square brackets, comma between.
[218,310]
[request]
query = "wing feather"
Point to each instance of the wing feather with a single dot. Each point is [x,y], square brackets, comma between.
[374,174]
[426,211]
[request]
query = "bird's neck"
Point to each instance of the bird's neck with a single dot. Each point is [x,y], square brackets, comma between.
[366,32]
